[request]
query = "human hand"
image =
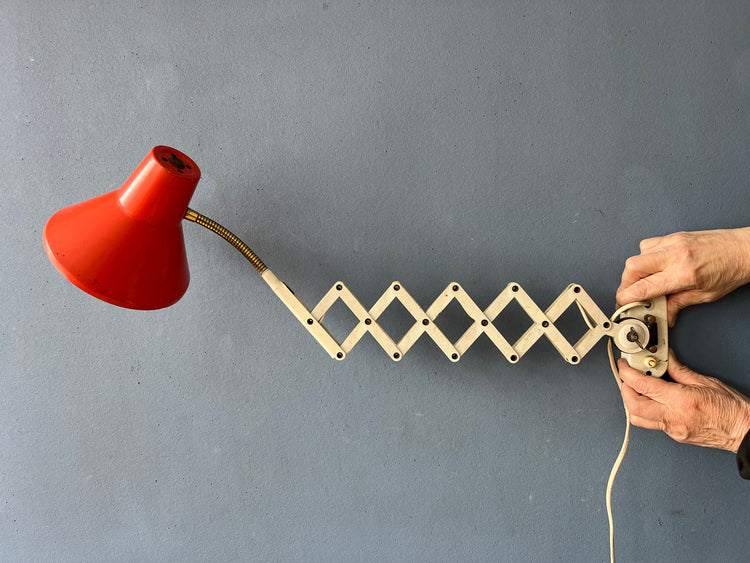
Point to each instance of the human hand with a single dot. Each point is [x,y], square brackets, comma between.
[695,409]
[690,268]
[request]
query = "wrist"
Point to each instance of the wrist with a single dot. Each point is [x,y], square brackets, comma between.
[742,428]
[743,457]
[743,235]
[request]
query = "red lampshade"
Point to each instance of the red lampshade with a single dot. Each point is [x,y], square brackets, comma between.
[126,247]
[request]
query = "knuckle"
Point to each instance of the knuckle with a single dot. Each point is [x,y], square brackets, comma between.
[681,237]
[630,263]
[682,252]
[635,408]
[641,386]
[640,290]
[678,433]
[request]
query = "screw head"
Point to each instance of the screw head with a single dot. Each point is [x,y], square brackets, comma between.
[632,336]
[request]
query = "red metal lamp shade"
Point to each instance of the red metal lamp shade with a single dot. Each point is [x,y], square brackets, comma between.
[126,247]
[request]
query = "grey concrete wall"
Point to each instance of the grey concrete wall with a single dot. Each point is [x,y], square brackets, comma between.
[477,142]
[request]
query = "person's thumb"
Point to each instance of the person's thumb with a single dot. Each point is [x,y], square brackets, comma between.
[680,373]
[676,303]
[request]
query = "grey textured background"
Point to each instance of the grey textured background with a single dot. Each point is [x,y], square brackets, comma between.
[478,142]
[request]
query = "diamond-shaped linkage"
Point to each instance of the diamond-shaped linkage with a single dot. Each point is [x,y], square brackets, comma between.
[451,298]
[423,322]
[454,321]
[598,324]
[366,320]
[512,322]
[339,319]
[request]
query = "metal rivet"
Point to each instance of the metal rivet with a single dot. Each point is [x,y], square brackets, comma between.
[309,321]
[485,322]
[606,324]
[455,288]
[574,359]
[339,287]
[339,355]
[576,289]
[368,321]
[396,355]
[454,356]
[396,287]
[514,288]
[513,358]
[425,322]
[545,324]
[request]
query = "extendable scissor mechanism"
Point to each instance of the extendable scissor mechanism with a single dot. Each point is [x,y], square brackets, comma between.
[640,332]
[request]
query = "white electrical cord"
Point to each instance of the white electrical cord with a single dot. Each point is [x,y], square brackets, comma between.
[626,439]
